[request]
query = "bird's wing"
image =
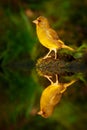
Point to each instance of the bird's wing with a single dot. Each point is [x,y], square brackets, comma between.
[56,98]
[52,34]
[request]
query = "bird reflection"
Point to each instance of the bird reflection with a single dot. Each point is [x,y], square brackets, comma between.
[51,96]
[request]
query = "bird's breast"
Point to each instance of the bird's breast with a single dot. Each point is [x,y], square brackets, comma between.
[45,40]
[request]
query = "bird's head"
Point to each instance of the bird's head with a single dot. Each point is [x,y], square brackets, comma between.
[41,21]
[46,112]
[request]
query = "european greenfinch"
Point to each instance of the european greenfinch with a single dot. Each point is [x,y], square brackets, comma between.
[48,37]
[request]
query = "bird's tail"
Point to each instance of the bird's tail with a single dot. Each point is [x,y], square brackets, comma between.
[70,83]
[67,47]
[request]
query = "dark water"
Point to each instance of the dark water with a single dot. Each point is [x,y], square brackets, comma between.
[19,83]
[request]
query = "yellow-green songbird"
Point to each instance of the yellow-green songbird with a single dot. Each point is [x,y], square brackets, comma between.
[51,96]
[48,37]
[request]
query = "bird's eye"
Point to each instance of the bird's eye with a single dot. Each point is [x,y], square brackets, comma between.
[39,20]
[44,113]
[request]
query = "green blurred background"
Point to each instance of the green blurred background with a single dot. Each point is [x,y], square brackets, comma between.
[20,85]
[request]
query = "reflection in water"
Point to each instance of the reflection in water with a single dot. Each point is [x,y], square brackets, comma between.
[62,65]
[51,96]
[49,67]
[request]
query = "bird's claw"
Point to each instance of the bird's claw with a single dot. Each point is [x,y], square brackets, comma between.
[49,78]
[46,76]
[45,57]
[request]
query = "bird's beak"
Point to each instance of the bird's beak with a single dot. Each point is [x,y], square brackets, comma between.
[40,113]
[35,21]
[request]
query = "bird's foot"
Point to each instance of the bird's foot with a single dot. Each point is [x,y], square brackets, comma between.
[49,78]
[47,56]
[56,79]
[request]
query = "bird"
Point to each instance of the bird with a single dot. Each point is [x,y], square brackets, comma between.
[51,96]
[48,37]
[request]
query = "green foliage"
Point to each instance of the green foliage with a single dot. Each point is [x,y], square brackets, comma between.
[18,37]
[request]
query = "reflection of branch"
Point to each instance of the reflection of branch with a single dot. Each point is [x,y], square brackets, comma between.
[51,66]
